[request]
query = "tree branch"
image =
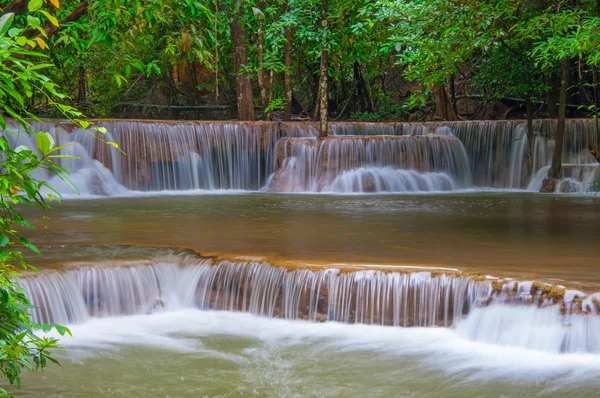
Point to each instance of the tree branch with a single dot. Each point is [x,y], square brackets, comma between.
[16,7]
[75,15]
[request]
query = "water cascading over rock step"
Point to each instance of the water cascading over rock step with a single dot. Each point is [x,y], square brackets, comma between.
[184,155]
[370,164]
[481,309]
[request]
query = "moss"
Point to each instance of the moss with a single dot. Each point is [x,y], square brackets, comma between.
[497,285]
[551,292]
[478,278]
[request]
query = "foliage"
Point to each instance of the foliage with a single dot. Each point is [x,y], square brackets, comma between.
[180,51]
[21,81]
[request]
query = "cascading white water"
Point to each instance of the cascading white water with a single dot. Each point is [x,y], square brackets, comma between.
[388,179]
[371,164]
[497,150]
[398,299]
[542,329]
[404,298]
[244,155]
[87,174]
[577,178]
[197,155]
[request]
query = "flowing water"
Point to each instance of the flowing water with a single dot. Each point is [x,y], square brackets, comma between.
[183,274]
[285,157]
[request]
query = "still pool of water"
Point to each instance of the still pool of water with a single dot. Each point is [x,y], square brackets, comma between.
[504,234]
[192,353]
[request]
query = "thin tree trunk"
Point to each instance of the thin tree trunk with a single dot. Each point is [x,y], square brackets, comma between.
[243,86]
[262,84]
[556,170]
[551,96]
[323,86]
[530,135]
[81,88]
[287,74]
[452,89]
[216,30]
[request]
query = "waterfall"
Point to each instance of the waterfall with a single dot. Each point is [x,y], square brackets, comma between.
[388,179]
[371,297]
[371,164]
[542,329]
[497,149]
[87,173]
[286,157]
[197,155]
[523,314]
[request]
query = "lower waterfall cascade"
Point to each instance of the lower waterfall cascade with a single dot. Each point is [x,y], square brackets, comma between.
[531,315]
[287,157]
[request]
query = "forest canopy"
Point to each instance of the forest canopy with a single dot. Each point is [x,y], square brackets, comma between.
[367,60]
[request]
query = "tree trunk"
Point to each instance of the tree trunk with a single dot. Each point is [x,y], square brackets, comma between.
[556,170]
[323,88]
[243,85]
[453,102]
[262,83]
[287,77]
[530,135]
[551,96]
[216,33]
[364,96]
[81,92]
[443,105]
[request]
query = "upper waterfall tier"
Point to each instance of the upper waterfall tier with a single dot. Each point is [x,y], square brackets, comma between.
[370,164]
[183,155]
[480,309]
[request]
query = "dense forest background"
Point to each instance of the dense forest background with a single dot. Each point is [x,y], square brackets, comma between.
[321,59]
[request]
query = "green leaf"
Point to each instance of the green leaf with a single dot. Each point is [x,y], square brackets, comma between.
[29,245]
[21,40]
[50,17]
[6,21]
[60,329]
[34,5]
[46,328]
[44,142]
[4,240]
[34,22]
[12,32]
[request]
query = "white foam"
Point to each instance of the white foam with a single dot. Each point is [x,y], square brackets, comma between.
[436,348]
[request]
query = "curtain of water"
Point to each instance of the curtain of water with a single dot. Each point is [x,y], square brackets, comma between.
[372,164]
[513,316]
[241,155]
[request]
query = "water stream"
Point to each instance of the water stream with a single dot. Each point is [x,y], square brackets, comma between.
[285,157]
[186,272]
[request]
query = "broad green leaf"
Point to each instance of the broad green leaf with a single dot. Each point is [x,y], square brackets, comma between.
[50,17]
[6,21]
[12,32]
[34,22]
[34,5]
[44,142]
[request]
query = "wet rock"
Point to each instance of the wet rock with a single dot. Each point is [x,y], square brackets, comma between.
[549,185]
